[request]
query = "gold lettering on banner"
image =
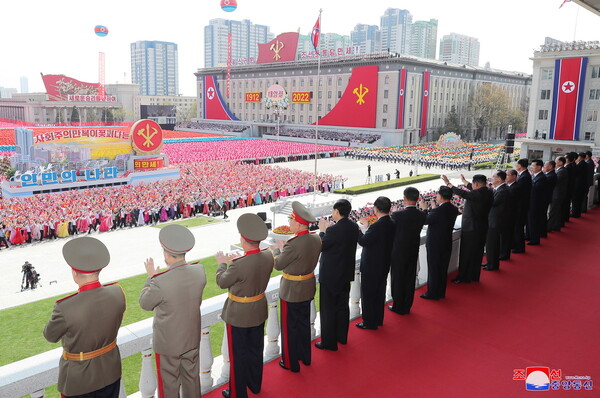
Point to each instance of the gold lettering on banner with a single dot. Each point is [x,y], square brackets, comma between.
[360,93]
[145,133]
[277,47]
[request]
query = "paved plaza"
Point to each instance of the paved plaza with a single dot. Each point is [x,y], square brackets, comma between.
[130,247]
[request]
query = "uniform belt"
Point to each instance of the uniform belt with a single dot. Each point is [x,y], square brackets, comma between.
[298,277]
[84,356]
[239,299]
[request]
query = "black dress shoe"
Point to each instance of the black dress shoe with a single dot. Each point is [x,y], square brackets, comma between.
[426,297]
[533,243]
[518,251]
[391,308]
[488,268]
[503,258]
[225,393]
[320,346]
[362,325]
[484,265]
[460,281]
[286,368]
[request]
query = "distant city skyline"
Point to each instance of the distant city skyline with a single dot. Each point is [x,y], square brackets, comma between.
[60,40]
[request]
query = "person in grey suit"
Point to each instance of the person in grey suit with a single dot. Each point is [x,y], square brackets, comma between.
[559,195]
[297,259]
[175,296]
[497,221]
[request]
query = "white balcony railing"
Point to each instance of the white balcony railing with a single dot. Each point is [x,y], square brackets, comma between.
[32,375]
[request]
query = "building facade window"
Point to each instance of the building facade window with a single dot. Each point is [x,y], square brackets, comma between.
[386,93]
[589,136]
[545,95]
[595,94]
[595,72]
[543,114]
[385,107]
[547,74]
[592,116]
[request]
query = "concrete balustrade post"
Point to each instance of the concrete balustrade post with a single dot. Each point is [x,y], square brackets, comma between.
[313,318]
[388,290]
[38,394]
[272,349]
[206,360]
[147,377]
[225,353]
[122,393]
[355,296]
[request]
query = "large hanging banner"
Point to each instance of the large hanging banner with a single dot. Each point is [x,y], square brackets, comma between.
[567,98]
[401,98]
[425,103]
[280,49]
[358,105]
[214,106]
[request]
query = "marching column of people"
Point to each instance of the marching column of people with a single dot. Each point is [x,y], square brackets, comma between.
[520,205]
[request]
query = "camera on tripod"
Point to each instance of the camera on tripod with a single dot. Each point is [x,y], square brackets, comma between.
[31,278]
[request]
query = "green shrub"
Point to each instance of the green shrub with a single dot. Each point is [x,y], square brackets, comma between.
[387,184]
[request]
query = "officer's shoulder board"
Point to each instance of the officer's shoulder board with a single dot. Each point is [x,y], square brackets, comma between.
[160,273]
[66,297]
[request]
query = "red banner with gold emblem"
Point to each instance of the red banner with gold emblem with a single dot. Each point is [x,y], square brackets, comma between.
[280,49]
[358,105]
[59,87]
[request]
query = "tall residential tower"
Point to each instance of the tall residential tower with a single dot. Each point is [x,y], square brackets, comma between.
[154,66]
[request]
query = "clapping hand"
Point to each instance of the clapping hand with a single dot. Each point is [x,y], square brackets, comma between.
[423,204]
[151,270]
[324,224]
[445,179]
[223,258]
[464,180]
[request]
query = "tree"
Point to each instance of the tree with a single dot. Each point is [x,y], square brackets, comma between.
[452,122]
[185,114]
[122,115]
[91,116]
[107,116]
[488,106]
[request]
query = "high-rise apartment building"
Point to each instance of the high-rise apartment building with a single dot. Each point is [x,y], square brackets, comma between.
[367,37]
[154,66]
[24,84]
[245,37]
[459,49]
[423,39]
[327,41]
[395,30]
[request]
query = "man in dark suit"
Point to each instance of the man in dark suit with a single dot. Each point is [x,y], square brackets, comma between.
[537,200]
[336,271]
[549,171]
[375,263]
[524,181]
[440,224]
[496,221]
[572,173]
[474,226]
[558,195]
[506,236]
[405,252]
[581,171]
[589,179]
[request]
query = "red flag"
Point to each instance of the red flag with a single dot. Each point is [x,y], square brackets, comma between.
[316,32]
[567,98]
[425,104]
[280,49]
[563,3]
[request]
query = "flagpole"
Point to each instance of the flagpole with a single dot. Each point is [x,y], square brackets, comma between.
[576,21]
[317,122]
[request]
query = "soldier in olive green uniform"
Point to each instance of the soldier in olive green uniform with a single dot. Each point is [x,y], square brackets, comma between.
[297,260]
[175,296]
[87,324]
[245,310]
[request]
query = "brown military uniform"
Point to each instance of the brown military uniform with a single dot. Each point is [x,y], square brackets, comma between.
[84,322]
[175,296]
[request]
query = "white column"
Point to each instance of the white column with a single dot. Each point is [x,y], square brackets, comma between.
[225,353]
[206,360]
[147,378]
[355,296]
[272,348]
[313,318]
[38,394]
[122,393]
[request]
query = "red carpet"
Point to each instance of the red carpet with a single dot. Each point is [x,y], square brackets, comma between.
[541,309]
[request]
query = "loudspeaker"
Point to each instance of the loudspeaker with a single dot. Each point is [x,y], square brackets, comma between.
[509,150]
[510,143]
[269,226]
[262,215]
[510,136]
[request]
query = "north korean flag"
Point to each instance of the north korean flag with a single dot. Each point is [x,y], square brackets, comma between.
[316,32]
[401,98]
[425,104]
[567,98]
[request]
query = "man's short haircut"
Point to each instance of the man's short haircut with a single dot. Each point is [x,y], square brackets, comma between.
[501,174]
[412,194]
[553,163]
[562,159]
[524,162]
[480,178]
[538,162]
[343,207]
[588,153]
[571,156]
[582,154]
[383,204]
[511,172]
[445,192]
